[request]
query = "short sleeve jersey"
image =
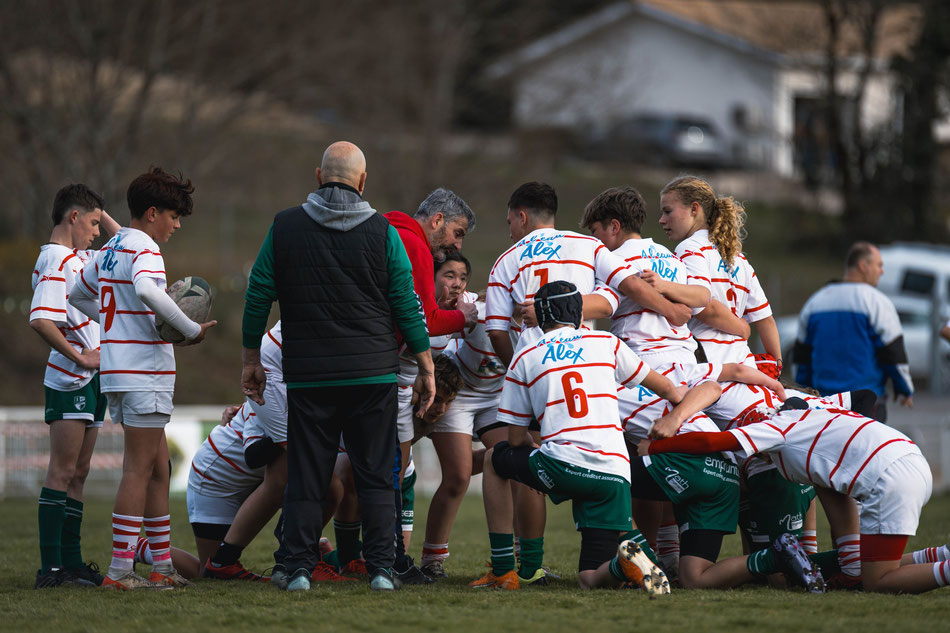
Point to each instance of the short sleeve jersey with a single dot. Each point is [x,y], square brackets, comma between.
[643,330]
[548,255]
[736,287]
[831,448]
[568,382]
[133,355]
[482,371]
[54,273]
[218,468]
[271,354]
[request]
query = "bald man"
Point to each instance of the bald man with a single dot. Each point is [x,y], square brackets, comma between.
[344,283]
[850,337]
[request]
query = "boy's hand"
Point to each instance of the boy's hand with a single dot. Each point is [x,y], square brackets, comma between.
[201,336]
[89,359]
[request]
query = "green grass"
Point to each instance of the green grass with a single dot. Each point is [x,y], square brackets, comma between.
[448,606]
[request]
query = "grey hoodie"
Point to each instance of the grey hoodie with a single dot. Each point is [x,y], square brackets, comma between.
[337,208]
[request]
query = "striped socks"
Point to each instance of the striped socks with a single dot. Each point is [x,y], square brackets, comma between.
[809,540]
[932,555]
[158,533]
[434,551]
[761,563]
[849,554]
[942,573]
[502,552]
[125,534]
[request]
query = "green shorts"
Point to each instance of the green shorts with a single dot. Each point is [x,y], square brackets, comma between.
[600,500]
[86,403]
[408,501]
[704,489]
[771,506]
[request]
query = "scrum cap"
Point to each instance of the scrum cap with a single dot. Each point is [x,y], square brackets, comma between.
[558,302]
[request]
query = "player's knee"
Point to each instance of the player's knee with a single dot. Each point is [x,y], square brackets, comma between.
[597,547]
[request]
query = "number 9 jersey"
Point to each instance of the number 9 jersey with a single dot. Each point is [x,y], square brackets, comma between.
[133,356]
[568,382]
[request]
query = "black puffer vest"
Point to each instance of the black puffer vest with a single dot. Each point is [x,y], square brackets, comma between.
[333,288]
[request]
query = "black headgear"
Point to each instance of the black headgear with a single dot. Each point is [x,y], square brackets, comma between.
[558,302]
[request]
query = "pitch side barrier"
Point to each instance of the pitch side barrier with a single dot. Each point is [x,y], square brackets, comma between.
[24,452]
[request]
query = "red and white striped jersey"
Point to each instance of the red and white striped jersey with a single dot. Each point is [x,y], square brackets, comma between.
[548,255]
[482,371]
[643,330]
[272,357]
[133,355]
[218,468]
[409,368]
[54,273]
[737,287]
[831,448]
[639,407]
[568,382]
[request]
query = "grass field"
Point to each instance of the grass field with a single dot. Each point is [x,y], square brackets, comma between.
[448,606]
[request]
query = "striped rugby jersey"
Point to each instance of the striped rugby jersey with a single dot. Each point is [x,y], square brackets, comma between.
[548,255]
[738,288]
[643,330]
[831,448]
[218,468]
[133,356]
[482,372]
[568,382]
[54,273]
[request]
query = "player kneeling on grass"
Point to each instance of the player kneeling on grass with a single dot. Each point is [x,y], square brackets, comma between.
[846,455]
[567,380]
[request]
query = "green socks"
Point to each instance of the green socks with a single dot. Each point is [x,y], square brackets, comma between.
[51,516]
[71,550]
[503,552]
[761,563]
[531,556]
[348,545]
[639,539]
[827,562]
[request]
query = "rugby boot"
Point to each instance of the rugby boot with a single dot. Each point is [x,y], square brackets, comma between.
[795,564]
[640,570]
[509,581]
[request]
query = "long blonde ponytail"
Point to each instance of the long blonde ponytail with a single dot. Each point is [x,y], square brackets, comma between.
[724,216]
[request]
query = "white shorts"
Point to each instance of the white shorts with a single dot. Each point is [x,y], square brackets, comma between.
[272,415]
[469,412]
[893,506]
[215,510]
[661,360]
[141,409]
[404,427]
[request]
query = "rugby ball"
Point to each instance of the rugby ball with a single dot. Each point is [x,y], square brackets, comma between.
[193,296]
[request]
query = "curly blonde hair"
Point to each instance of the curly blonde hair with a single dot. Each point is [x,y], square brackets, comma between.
[724,216]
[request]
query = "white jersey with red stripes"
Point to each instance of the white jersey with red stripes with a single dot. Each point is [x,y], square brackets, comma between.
[482,372]
[548,255]
[643,330]
[54,273]
[409,368]
[567,381]
[639,407]
[271,416]
[736,287]
[831,448]
[218,468]
[133,355]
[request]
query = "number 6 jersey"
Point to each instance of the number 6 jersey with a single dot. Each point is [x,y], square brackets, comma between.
[132,355]
[568,381]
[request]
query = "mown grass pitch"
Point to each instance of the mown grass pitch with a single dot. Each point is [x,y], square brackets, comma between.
[448,606]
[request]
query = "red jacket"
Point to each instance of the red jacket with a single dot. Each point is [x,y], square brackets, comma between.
[417,246]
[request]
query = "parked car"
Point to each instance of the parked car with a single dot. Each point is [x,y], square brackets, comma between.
[662,139]
[913,272]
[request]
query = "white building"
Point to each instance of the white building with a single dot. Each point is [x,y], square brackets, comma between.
[754,69]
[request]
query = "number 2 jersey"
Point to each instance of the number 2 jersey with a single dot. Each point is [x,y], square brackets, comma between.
[132,355]
[736,287]
[56,269]
[567,381]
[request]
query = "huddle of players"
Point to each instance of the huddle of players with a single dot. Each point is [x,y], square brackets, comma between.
[576,404]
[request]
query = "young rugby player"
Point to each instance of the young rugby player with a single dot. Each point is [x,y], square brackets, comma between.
[75,407]
[127,279]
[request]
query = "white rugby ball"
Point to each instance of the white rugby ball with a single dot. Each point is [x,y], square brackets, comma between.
[193,296]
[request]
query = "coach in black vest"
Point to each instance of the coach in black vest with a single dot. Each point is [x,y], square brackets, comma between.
[344,283]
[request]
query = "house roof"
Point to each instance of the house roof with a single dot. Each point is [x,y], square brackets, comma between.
[774,30]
